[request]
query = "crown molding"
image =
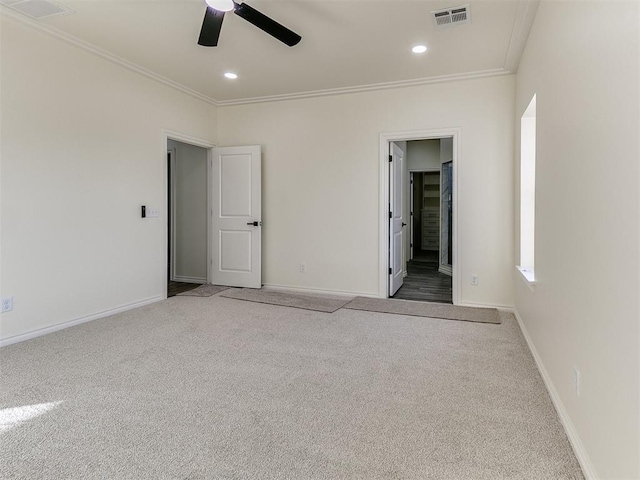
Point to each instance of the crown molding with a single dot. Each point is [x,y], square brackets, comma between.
[368,88]
[88,47]
[522,25]
[525,15]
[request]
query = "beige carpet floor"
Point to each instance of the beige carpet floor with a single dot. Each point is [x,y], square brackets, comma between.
[213,388]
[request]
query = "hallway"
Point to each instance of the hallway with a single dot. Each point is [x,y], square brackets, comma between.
[423,281]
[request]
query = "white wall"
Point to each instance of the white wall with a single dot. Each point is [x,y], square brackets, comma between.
[321,186]
[584,311]
[190,191]
[82,150]
[423,155]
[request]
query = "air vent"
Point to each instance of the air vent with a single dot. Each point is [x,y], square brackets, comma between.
[37,9]
[452,16]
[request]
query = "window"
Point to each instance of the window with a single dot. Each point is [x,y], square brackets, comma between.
[528,190]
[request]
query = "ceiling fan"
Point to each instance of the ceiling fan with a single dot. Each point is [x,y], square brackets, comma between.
[212,23]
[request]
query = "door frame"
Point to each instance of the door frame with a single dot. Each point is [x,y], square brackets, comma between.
[384,188]
[411,216]
[198,142]
[445,268]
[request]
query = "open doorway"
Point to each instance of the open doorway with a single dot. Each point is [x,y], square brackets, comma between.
[187,194]
[423,278]
[427,215]
[214,204]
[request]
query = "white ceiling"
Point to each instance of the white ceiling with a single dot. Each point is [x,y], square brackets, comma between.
[346,45]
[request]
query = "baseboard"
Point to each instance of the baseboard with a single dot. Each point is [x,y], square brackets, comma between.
[72,323]
[578,448]
[319,291]
[178,278]
[508,308]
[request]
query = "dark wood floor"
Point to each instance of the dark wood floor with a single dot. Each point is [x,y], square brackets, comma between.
[174,288]
[423,281]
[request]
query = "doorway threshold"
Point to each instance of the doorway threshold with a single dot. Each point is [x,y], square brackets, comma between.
[424,283]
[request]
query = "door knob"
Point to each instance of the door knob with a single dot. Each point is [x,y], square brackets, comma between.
[404,224]
[254,224]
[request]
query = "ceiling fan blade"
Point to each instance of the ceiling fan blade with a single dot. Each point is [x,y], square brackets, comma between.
[211,26]
[267,25]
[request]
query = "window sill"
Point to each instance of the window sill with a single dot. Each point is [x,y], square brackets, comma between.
[529,277]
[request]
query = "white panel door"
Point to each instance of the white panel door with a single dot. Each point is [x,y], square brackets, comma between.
[395,219]
[236,217]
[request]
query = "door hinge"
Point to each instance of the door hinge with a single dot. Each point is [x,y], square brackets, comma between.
[391,158]
[390,215]
[411,245]
[390,271]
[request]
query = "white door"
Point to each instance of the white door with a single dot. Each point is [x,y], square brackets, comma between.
[236,217]
[395,219]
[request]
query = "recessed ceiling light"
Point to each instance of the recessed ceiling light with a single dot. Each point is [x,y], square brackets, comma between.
[419,49]
[230,75]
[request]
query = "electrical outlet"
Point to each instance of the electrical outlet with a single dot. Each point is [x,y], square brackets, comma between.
[576,381]
[153,212]
[303,268]
[7,304]
[475,279]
